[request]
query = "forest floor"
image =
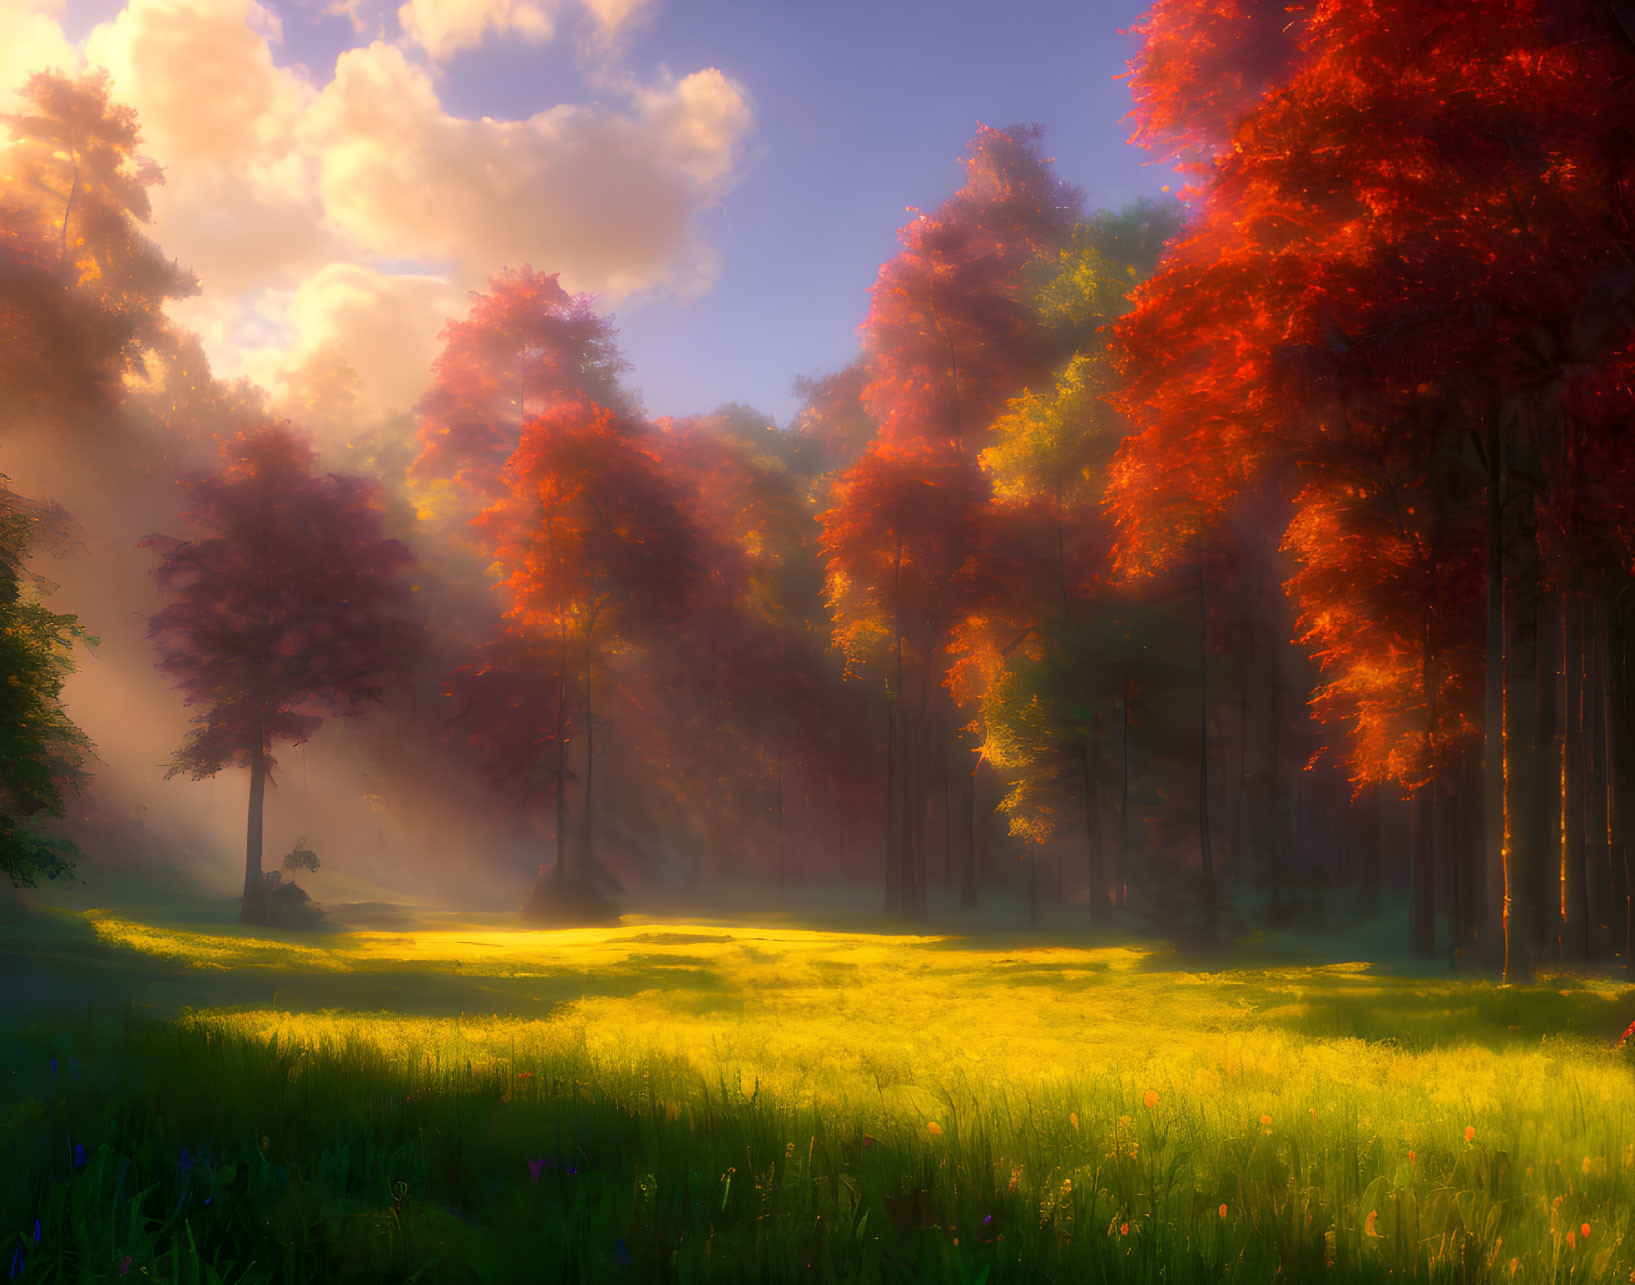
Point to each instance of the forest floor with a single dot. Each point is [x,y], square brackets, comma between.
[450,1098]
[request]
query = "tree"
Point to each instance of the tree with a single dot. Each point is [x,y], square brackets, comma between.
[289,608]
[594,549]
[526,347]
[58,353]
[41,751]
[898,541]
[950,332]
[73,162]
[1402,206]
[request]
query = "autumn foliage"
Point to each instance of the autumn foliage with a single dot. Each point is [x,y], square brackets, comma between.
[288,607]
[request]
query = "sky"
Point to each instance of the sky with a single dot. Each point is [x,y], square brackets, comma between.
[726,176]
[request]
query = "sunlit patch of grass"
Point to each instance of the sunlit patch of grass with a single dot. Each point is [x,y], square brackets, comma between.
[893,1104]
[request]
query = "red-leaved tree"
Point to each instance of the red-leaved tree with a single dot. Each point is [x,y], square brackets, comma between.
[289,607]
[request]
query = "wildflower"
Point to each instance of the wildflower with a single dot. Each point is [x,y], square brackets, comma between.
[933,1128]
[185,1163]
[1073,1119]
[570,1171]
[1124,1229]
[1223,1211]
[1149,1099]
[525,1075]
[1313,1111]
[869,1139]
[1266,1123]
[1584,1231]
[79,1156]
[1470,1133]
[1572,1239]
[536,1167]
[18,1262]
[1368,1223]
[1411,1157]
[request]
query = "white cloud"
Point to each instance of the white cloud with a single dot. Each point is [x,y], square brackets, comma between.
[445,27]
[604,197]
[385,324]
[289,198]
[31,40]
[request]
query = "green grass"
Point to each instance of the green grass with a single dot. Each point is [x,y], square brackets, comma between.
[730,1101]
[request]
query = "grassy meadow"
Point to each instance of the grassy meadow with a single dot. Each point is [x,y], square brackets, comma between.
[729,1101]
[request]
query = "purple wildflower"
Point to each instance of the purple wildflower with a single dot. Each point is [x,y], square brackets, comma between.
[536,1167]
[79,1156]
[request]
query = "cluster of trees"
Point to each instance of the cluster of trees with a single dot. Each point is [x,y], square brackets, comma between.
[1280,542]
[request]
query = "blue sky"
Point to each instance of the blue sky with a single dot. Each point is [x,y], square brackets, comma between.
[863,110]
[856,111]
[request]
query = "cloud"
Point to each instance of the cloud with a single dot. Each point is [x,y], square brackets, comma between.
[443,28]
[240,202]
[607,198]
[361,211]
[31,40]
[385,324]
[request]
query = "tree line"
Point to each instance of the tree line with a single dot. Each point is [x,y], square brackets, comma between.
[1181,560]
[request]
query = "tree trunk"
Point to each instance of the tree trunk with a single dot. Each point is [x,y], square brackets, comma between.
[1546,819]
[1276,827]
[1422,872]
[1620,780]
[1577,932]
[1205,852]
[68,209]
[894,887]
[562,757]
[1495,875]
[587,869]
[1120,894]
[253,909]
[1604,891]
[1033,885]
[1091,762]
[967,889]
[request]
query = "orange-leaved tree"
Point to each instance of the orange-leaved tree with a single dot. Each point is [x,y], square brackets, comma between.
[594,551]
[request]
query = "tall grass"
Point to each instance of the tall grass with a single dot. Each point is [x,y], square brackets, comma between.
[775,1105]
